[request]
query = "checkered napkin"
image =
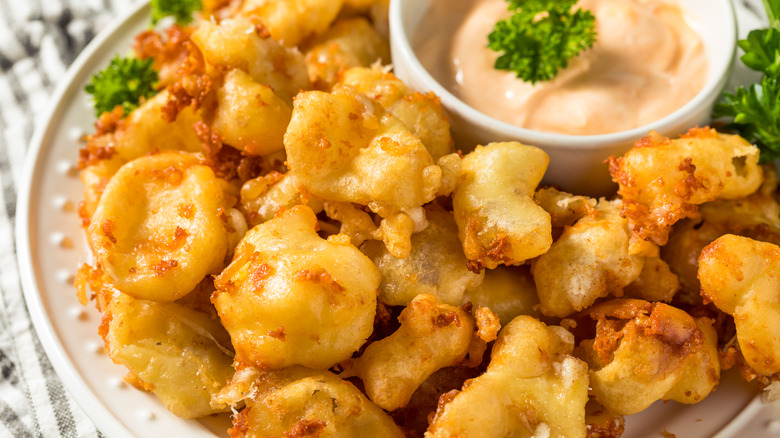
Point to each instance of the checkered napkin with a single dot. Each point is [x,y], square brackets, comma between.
[39,39]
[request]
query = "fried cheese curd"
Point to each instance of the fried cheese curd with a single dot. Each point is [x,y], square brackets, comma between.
[739,276]
[169,51]
[415,415]
[377,10]
[291,297]
[564,208]
[350,42]
[181,355]
[656,282]
[345,148]
[663,180]
[639,352]
[237,43]
[756,216]
[355,221]
[249,116]
[292,22]
[435,265]
[300,402]
[421,113]
[248,81]
[508,291]
[533,386]
[262,197]
[590,260]
[158,228]
[432,336]
[498,220]
[120,140]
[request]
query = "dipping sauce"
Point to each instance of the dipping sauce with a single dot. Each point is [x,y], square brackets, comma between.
[646,63]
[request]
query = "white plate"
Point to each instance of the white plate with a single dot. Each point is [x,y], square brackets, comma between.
[51,247]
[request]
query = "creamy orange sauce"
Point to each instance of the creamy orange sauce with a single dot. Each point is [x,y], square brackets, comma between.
[647,62]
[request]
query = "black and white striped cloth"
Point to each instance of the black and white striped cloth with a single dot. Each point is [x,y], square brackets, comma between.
[39,39]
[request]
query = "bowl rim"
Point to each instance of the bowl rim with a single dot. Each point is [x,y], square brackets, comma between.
[718,77]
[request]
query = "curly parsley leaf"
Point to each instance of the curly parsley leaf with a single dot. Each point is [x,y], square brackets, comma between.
[541,37]
[762,51]
[124,82]
[756,114]
[755,110]
[181,10]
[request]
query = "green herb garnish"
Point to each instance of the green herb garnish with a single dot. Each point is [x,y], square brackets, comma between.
[541,37]
[755,110]
[181,10]
[761,48]
[124,82]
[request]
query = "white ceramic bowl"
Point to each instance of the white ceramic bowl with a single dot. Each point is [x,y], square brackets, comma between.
[576,161]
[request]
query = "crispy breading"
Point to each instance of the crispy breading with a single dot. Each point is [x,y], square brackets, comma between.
[564,208]
[292,22]
[285,279]
[590,260]
[181,355]
[656,282]
[140,235]
[356,222]
[702,372]
[414,416]
[118,140]
[532,385]
[350,42]
[508,291]
[498,220]
[249,116]
[663,180]
[299,402]
[432,336]
[237,44]
[344,148]
[435,265]
[265,196]
[740,277]
[639,352]
[756,216]
[169,51]
[422,114]
[94,177]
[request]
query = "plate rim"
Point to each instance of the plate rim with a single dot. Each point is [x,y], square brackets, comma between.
[104,419]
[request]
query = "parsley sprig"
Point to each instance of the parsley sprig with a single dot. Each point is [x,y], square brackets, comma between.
[541,37]
[755,110]
[181,10]
[127,81]
[124,82]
